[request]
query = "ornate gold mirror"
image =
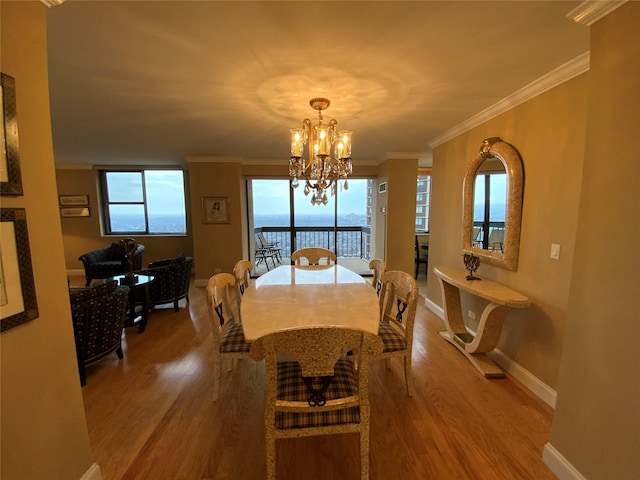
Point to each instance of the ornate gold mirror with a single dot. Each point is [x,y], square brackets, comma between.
[492,204]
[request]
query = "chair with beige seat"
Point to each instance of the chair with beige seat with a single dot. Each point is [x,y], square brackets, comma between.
[313,256]
[399,299]
[322,391]
[228,335]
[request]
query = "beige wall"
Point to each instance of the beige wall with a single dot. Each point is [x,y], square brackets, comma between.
[548,131]
[217,246]
[43,428]
[401,213]
[596,426]
[82,234]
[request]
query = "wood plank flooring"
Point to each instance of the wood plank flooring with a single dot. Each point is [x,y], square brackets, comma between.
[150,415]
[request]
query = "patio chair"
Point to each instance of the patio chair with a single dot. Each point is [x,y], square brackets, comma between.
[313,256]
[228,336]
[272,246]
[322,391]
[400,300]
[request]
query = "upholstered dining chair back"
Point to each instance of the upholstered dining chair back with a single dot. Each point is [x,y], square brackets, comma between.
[228,336]
[322,389]
[313,256]
[400,300]
[242,273]
[378,266]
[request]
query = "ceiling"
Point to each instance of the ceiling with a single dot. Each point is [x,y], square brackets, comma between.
[154,82]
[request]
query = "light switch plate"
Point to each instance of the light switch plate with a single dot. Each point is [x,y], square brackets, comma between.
[555,251]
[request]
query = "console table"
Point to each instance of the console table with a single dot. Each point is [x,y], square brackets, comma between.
[502,299]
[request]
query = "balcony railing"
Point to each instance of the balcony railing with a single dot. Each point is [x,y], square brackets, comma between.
[349,242]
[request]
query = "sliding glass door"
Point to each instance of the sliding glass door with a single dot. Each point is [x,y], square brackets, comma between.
[284,216]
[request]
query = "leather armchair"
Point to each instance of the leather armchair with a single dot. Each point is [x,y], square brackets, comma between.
[109,261]
[98,315]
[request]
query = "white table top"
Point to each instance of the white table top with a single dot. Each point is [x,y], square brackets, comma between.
[306,296]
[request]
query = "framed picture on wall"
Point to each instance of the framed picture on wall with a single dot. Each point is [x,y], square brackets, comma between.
[215,210]
[17,287]
[66,200]
[75,212]
[382,188]
[10,177]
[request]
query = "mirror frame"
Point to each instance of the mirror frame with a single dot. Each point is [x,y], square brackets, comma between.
[510,158]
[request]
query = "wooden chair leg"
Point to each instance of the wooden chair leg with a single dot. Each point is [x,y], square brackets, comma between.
[364,455]
[270,450]
[408,378]
[217,371]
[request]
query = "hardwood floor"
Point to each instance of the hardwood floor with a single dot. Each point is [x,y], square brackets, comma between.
[150,415]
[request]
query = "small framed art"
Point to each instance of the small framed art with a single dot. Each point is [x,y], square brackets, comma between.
[75,212]
[215,210]
[68,200]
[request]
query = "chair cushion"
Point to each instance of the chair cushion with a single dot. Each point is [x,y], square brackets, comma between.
[291,387]
[391,339]
[232,339]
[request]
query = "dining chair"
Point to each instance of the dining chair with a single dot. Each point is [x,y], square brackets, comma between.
[314,256]
[378,266]
[320,390]
[422,254]
[400,299]
[242,273]
[228,336]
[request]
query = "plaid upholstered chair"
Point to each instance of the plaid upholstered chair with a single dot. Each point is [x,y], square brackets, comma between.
[98,314]
[399,300]
[322,392]
[313,256]
[172,277]
[228,336]
[109,261]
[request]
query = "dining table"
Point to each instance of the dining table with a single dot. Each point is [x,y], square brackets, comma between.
[294,296]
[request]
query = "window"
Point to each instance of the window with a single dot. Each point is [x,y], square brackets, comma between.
[423,199]
[148,202]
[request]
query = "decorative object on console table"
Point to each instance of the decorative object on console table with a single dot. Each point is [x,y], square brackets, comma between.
[215,210]
[471,263]
[501,300]
[17,287]
[10,176]
[130,246]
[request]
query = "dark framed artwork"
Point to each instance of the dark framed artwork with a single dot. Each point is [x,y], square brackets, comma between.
[18,302]
[10,177]
[215,210]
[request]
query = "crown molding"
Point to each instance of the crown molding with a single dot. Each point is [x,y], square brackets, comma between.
[565,72]
[589,12]
[51,3]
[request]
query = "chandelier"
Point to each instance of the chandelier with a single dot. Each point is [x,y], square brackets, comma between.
[328,157]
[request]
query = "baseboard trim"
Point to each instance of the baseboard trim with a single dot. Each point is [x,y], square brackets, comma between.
[93,473]
[559,465]
[524,376]
[200,282]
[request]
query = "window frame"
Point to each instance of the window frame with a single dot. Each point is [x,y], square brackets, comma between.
[106,203]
